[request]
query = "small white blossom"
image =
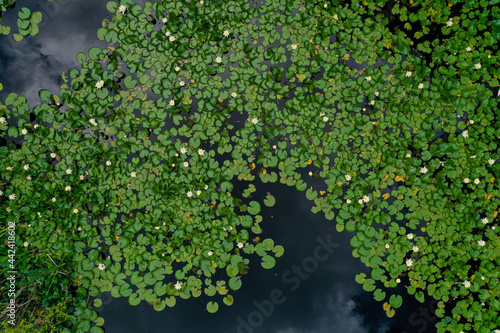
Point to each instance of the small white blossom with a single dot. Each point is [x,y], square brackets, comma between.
[102,266]
[420,86]
[189,194]
[408,74]
[325,118]
[477,66]
[415,248]
[485,220]
[465,134]
[255,121]
[75,210]
[481,243]
[171,38]
[183,150]
[387,246]
[67,188]
[210,253]
[466,180]
[133,174]
[99,84]
[466,284]
[398,280]
[240,245]
[449,23]
[366,198]
[468,49]
[178,285]
[54,199]
[26,244]
[348,177]
[24,131]
[53,155]
[423,170]
[409,262]
[476,181]
[360,201]
[172,103]
[2,120]
[198,192]
[12,197]
[165,20]
[226,33]
[348,201]
[177,68]
[108,163]
[26,167]
[69,171]
[201,152]
[294,46]
[491,161]
[368,78]
[186,164]
[409,236]
[122,10]
[234,95]
[218,60]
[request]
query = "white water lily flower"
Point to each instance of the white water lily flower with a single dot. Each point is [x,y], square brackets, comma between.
[368,78]
[325,118]
[360,201]
[372,102]
[466,180]
[409,236]
[423,170]
[26,167]
[485,220]
[189,194]
[294,46]
[218,60]
[449,23]
[69,171]
[325,5]
[226,33]
[177,68]
[409,262]
[491,161]
[387,246]
[466,284]
[468,49]
[182,83]
[465,134]
[408,74]
[210,253]
[67,188]
[186,164]
[348,177]
[310,173]
[54,199]
[28,177]
[26,244]
[481,243]
[165,20]
[92,121]
[348,201]
[206,187]
[398,280]
[183,150]
[476,181]
[2,120]
[234,94]
[102,266]
[82,177]
[108,163]
[420,86]
[415,248]
[240,245]
[172,103]
[255,121]
[366,198]
[172,38]
[376,93]
[477,66]
[178,285]
[24,131]
[12,197]
[122,9]
[202,2]
[335,17]
[99,84]
[471,122]
[198,192]
[201,152]
[75,210]
[133,174]
[35,126]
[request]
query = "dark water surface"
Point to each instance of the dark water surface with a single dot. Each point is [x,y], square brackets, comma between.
[310,290]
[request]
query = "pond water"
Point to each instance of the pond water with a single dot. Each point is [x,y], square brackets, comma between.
[311,288]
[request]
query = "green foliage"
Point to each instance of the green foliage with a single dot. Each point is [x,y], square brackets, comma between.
[397,116]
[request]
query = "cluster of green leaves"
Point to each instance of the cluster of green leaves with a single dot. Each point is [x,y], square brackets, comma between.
[27,22]
[194,96]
